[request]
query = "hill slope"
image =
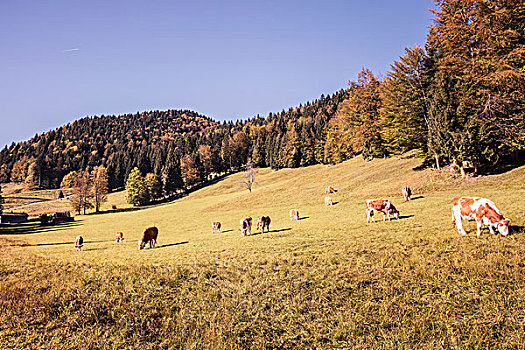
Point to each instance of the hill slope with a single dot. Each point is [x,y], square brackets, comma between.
[328,280]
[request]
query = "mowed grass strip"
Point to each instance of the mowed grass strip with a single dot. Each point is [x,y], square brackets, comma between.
[328,280]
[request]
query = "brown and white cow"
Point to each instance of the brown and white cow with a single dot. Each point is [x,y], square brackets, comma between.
[407,192]
[119,237]
[79,242]
[480,209]
[150,235]
[246,226]
[215,227]
[329,190]
[294,214]
[264,222]
[328,201]
[380,205]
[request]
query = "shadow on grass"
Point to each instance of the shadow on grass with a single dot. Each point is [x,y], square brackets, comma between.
[226,231]
[405,216]
[280,230]
[33,227]
[416,197]
[63,243]
[172,244]
[516,229]
[303,218]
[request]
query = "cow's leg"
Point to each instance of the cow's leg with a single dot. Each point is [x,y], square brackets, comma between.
[367,216]
[478,226]
[491,229]
[459,224]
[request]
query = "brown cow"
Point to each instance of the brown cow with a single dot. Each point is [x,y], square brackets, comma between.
[294,214]
[246,226]
[119,237]
[215,226]
[264,221]
[480,209]
[380,205]
[150,235]
[79,242]
[407,192]
[329,190]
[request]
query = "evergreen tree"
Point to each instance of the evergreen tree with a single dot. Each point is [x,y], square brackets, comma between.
[1,200]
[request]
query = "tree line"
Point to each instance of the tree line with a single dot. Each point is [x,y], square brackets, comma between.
[459,99]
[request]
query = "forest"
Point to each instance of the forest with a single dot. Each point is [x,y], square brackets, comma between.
[459,99]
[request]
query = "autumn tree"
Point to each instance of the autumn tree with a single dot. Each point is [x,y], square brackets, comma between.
[205,156]
[478,48]
[136,190]
[1,200]
[81,198]
[356,127]
[99,179]
[249,177]
[68,180]
[154,185]
[32,181]
[404,112]
[189,171]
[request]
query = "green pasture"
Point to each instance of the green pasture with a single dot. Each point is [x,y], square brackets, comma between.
[329,280]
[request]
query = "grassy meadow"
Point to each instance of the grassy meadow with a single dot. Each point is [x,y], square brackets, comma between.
[328,280]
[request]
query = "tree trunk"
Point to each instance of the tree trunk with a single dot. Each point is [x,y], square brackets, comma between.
[437,161]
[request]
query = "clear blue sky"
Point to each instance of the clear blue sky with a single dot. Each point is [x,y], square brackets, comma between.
[65,59]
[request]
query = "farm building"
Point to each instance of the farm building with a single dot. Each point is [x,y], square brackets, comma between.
[64,216]
[7,218]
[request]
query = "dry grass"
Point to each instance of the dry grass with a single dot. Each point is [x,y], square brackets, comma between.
[47,202]
[326,281]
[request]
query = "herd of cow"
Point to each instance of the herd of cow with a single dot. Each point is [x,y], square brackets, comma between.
[482,210]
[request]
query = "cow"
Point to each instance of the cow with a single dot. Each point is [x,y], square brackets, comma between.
[119,237]
[150,235]
[329,190]
[328,201]
[79,242]
[407,192]
[215,226]
[264,221]
[380,205]
[294,214]
[480,209]
[246,226]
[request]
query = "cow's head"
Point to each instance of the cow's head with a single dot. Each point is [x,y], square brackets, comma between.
[142,244]
[503,227]
[395,212]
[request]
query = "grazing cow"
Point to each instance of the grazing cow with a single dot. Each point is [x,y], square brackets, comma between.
[79,242]
[407,192]
[119,237]
[294,214]
[215,226]
[329,190]
[328,201]
[150,235]
[264,221]
[380,205]
[480,209]
[246,226]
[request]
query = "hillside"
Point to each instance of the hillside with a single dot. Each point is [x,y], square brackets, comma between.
[159,142]
[328,280]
